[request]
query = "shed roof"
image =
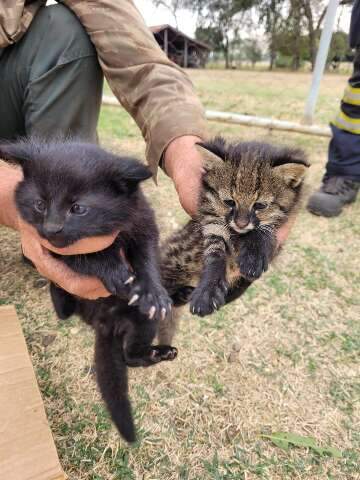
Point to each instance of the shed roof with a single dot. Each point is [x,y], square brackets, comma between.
[160,28]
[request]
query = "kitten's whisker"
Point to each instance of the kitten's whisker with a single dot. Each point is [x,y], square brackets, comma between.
[267,230]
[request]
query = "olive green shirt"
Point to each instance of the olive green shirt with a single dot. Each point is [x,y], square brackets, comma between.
[157,93]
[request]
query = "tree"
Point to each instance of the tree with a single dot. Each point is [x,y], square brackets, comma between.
[210,35]
[271,15]
[252,51]
[339,47]
[314,13]
[294,27]
[222,18]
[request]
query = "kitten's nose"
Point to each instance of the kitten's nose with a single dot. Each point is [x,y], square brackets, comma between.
[52,228]
[242,221]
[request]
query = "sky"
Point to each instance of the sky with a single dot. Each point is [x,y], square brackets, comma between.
[158,16]
[187,21]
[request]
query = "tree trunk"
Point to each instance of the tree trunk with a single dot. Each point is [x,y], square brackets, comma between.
[296,18]
[272,48]
[312,32]
[272,57]
[226,53]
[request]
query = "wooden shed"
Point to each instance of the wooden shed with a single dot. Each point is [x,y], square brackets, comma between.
[181,49]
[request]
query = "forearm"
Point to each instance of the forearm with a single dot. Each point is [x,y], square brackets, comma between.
[157,93]
[9,178]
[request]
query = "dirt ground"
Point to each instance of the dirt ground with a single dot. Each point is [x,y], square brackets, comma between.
[285,357]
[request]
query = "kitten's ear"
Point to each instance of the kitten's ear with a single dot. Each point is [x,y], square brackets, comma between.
[291,166]
[130,173]
[211,160]
[16,153]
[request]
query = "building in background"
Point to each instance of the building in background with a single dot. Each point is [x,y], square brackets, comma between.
[181,49]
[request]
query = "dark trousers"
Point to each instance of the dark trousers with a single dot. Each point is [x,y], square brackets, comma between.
[51,81]
[344,147]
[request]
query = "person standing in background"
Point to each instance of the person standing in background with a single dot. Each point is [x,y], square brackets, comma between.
[341,181]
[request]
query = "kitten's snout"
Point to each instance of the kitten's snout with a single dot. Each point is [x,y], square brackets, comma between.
[242,221]
[52,228]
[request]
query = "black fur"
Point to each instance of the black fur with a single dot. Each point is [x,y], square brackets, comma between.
[104,188]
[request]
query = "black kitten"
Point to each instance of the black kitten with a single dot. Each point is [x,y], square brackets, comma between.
[72,190]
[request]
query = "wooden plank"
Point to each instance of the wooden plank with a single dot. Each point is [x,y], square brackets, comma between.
[27,449]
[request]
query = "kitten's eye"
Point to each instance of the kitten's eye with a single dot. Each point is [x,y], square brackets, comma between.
[78,209]
[259,206]
[230,203]
[40,206]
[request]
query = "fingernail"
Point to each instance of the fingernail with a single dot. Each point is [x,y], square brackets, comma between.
[163,313]
[129,280]
[133,299]
[152,312]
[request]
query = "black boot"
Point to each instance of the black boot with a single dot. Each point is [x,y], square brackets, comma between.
[334,193]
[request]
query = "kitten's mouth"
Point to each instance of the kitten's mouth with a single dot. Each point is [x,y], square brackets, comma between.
[250,226]
[58,242]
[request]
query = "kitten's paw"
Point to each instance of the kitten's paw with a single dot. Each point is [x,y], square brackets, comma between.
[205,299]
[119,281]
[161,353]
[151,300]
[151,355]
[252,265]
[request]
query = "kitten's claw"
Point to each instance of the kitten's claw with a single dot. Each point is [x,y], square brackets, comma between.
[152,312]
[151,300]
[129,280]
[252,266]
[133,299]
[116,281]
[205,299]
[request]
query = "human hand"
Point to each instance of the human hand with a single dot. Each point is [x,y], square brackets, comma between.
[283,232]
[184,165]
[56,271]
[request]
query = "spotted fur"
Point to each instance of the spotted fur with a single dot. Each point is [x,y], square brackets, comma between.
[249,190]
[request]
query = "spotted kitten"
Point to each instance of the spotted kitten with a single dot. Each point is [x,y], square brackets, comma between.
[249,190]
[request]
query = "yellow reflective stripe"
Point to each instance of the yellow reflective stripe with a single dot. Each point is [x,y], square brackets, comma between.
[352,95]
[346,126]
[351,121]
[353,89]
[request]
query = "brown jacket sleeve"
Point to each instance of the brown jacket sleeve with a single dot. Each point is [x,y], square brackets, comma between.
[157,93]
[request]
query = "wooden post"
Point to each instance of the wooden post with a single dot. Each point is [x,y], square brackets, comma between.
[166,42]
[185,53]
